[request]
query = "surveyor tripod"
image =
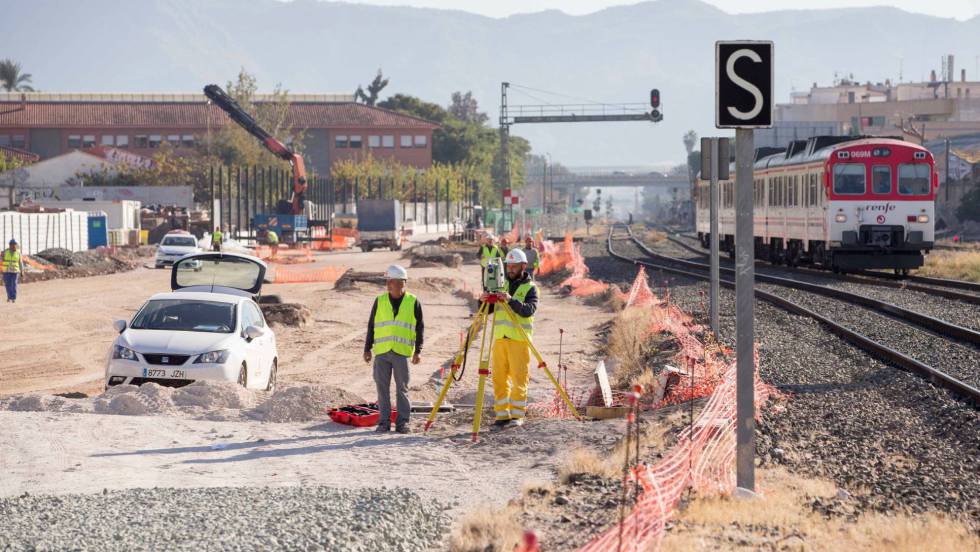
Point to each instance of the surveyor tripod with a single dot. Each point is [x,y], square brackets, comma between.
[483,326]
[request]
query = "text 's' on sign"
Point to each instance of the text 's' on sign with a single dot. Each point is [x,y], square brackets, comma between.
[743,84]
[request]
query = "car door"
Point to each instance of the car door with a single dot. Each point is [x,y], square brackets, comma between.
[253,348]
[260,345]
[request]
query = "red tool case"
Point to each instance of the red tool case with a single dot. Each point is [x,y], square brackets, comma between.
[358,415]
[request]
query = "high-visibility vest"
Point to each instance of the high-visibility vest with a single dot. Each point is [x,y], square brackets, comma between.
[216,236]
[533,258]
[487,253]
[394,333]
[502,324]
[11,261]
[272,237]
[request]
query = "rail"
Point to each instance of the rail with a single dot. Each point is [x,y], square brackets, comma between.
[882,351]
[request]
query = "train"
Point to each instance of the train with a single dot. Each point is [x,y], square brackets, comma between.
[844,203]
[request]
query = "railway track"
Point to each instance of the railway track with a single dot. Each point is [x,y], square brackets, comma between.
[930,286]
[941,378]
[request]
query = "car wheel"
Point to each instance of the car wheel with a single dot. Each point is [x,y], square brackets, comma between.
[243,376]
[271,386]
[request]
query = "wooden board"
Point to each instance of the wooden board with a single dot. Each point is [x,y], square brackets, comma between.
[602,381]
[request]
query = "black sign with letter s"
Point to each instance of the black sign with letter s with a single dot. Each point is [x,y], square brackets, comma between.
[743,84]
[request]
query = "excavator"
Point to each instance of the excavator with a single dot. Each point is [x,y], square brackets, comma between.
[240,116]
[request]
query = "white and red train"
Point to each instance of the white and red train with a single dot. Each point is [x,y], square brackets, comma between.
[845,203]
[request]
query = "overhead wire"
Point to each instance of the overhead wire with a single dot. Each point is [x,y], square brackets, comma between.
[524,89]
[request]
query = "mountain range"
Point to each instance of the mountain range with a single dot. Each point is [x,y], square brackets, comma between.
[615,55]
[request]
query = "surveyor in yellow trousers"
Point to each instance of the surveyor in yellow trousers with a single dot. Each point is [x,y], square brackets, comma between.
[510,346]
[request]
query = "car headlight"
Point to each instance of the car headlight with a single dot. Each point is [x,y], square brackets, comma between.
[123,353]
[213,357]
[840,218]
[923,218]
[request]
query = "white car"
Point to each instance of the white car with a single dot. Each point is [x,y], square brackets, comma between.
[175,245]
[208,327]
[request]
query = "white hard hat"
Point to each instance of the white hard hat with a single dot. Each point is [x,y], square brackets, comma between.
[515,256]
[396,272]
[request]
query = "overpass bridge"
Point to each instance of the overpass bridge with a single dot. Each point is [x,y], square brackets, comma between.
[613,179]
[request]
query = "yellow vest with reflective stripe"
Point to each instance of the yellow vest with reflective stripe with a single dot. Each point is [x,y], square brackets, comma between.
[11,261]
[487,253]
[502,325]
[216,236]
[394,333]
[272,237]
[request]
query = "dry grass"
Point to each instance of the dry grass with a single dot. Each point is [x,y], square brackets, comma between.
[586,461]
[782,520]
[488,530]
[652,236]
[629,344]
[958,265]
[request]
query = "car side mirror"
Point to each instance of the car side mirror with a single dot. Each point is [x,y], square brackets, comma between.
[253,332]
[119,325]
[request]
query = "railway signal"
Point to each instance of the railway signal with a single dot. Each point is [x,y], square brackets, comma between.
[655,114]
[743,101]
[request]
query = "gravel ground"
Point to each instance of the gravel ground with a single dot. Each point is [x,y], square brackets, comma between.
[893,440]
[294,518]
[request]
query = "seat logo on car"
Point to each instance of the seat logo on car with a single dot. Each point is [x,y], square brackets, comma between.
[165,360]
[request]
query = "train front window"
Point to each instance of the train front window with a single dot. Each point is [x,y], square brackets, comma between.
[881,179]
[913,179]
[849,179]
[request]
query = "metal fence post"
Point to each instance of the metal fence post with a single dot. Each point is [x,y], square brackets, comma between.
[744,298]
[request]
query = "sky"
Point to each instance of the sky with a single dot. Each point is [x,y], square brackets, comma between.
[958,9]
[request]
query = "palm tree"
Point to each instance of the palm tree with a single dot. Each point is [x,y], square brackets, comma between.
[11,79]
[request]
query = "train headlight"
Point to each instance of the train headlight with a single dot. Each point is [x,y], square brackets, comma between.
[923,218]
[840,218]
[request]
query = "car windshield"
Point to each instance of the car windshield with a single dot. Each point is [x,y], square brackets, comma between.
[233,272]
[184,315]
[179,241]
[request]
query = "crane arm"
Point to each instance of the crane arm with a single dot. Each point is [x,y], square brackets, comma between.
[247,122]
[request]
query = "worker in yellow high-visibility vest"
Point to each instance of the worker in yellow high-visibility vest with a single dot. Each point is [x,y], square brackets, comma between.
[13,266]
[511,354]
[216,238]
[273,240]
[533,258]
[394,335]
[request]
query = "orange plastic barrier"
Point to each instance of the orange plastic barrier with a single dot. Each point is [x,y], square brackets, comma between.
[285,255]
[292,274]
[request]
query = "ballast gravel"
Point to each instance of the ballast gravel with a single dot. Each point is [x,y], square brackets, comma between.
[896,442]
[276,518]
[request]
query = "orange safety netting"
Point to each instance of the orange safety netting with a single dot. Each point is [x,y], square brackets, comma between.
[342,238]
[38,265]
[568,256]
[294,274]
[513,235]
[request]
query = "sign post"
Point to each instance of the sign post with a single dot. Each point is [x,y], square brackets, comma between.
[714,166]
[743,101]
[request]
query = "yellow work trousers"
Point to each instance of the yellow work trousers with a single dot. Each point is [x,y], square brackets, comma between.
[510,361]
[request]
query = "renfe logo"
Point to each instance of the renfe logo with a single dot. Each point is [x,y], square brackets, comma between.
[881,219]
[885,207]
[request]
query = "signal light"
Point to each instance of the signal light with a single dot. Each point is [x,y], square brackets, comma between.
[655,98]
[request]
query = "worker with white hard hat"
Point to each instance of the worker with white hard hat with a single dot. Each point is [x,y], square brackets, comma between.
[13,266]
[394,335]
[511,354]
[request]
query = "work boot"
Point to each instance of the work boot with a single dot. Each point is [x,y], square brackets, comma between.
[519,422]
[382,429]
[502,423]
[402,429]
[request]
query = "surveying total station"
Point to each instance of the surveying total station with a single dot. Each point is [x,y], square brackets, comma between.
[494,282]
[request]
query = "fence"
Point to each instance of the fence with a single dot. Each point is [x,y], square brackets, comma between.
[36,232]
[242,192]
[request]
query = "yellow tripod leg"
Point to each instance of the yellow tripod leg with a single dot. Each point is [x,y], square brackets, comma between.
[457,362]
[541,363]
[484,372]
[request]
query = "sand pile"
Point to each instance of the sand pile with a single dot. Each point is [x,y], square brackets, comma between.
[301,403]
[130,400]
[433,255]
[287,314]
[212,395]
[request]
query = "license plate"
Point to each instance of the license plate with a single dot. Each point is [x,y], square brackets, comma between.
[161,373]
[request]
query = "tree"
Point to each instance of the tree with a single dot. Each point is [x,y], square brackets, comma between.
[690,139]
[465,108]
[373,90]
[233,145]
[11,79]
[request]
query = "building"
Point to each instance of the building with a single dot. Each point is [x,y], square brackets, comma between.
[336,127]
[919,112]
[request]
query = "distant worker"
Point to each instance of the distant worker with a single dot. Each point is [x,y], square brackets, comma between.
[273,240]
[488,252]
[394,335]
[13,266]
[510,346]
[504,247]
[533,260]
[216,238]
